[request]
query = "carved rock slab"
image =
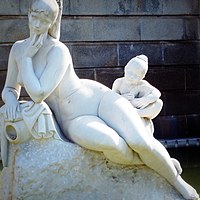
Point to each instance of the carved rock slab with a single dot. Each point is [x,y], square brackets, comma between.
[52,169]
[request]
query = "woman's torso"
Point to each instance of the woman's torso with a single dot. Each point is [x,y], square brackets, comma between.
[72,97]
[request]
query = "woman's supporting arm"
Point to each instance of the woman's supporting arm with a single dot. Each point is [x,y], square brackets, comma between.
[11,91]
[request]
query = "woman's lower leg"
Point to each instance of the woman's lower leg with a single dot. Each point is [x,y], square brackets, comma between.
[159,160]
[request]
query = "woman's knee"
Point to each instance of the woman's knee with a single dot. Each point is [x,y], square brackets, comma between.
[114,143]
[141,145]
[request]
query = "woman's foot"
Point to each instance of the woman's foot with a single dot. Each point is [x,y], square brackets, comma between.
[186,190]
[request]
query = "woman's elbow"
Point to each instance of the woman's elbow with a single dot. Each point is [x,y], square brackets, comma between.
[38,98]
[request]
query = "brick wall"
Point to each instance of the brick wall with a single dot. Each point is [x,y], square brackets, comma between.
[103,35]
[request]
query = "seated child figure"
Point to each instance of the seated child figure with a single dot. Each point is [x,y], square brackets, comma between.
[142,95]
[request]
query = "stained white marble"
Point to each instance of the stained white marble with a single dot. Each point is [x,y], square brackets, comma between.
[53,169]
[87,112]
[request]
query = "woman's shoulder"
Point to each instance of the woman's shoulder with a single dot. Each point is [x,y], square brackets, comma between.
[57,49]
[18,44]
[58,44]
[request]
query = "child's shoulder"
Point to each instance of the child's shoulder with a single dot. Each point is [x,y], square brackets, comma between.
[144,83]
[119,80]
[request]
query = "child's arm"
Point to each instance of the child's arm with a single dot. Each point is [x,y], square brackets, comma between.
[150,95]
[118,88]
[154,95]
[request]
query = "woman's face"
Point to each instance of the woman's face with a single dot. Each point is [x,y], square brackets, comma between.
[39,22]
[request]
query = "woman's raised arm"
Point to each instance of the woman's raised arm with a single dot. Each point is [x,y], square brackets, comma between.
[39,89]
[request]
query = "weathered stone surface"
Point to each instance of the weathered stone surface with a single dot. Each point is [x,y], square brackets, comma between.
[9,7]
[4,52]
[109,7]
[77,29]
[180,7]
[176,102]
[13,29]
[103,7]
[109,28]
[117,29]
[162,29]
[187,53]
[53,169]
[108,75]
[94,55]
[150,7]
[129,50]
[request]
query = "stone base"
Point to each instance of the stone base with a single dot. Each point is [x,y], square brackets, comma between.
[52,169]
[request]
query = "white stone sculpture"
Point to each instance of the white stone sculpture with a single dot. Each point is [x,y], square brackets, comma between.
[88,113]
[144,97]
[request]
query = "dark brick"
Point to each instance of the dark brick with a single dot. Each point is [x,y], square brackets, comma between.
[9,7]
[108,76]
[182,53]
[192,28]
[100,29]
[13,29]
[24,6]
[198,29]
[182,102]
[150,7]
[2,80]
[116,29]
[4,52]
[193,125]
[152,50]
[162,29]
[103,7]
[170,127]
[94,55]
[123,7]
[1,102]
[85,73]
[166,78]
[77,29]
[177,7]
[193,78]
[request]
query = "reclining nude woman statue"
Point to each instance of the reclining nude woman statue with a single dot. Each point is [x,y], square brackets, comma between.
[87,112]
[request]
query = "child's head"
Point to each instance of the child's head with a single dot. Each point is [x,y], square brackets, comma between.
[136,69]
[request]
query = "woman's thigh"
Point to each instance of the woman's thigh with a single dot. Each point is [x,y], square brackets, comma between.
[93,133]
[120,115]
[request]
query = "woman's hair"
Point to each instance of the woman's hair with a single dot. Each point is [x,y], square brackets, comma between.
[53,10]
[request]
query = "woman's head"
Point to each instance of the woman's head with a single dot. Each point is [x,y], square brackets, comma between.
[42,15]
